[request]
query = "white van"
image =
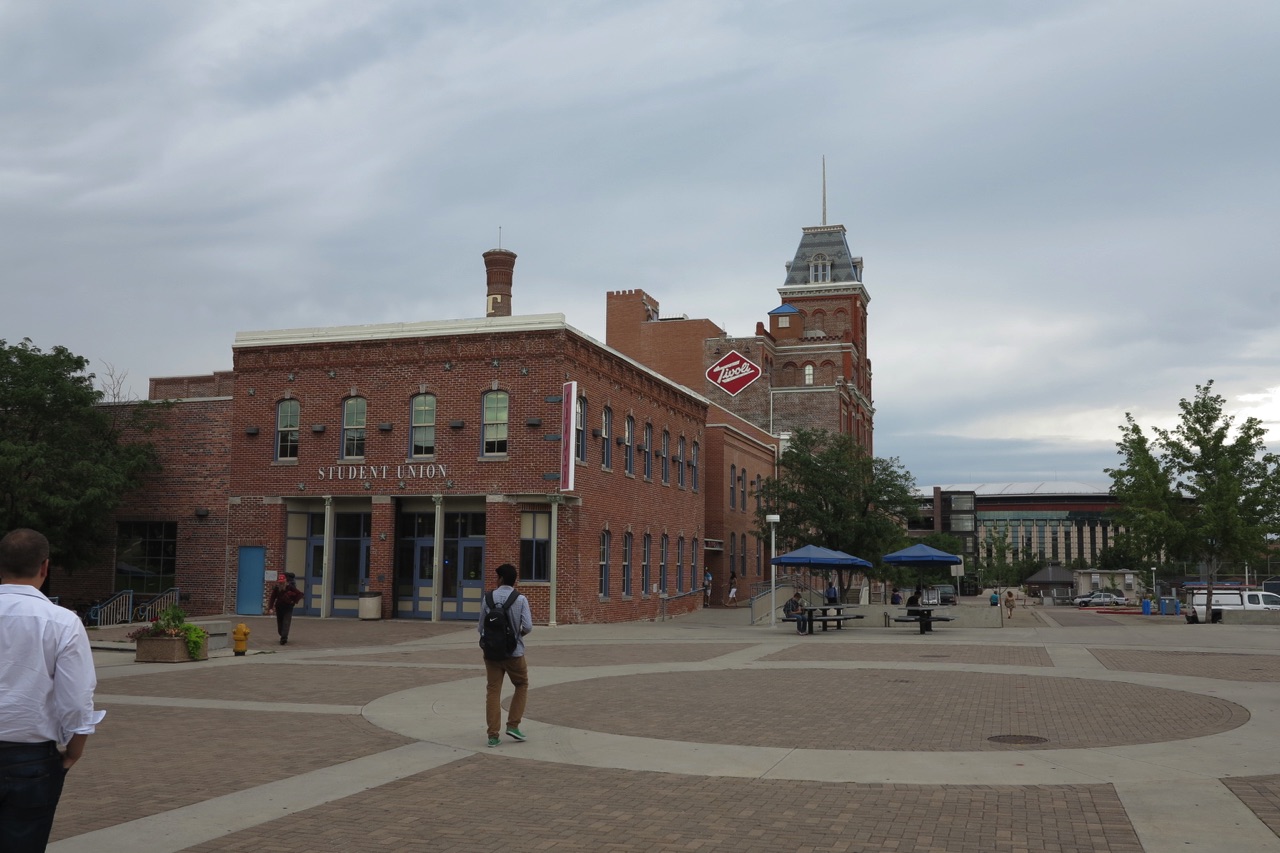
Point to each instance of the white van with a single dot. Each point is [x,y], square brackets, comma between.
[1230,599]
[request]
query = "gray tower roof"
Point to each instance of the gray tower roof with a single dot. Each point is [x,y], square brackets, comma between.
[826,240]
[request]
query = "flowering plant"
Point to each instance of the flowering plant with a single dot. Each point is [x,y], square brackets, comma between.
[172,622]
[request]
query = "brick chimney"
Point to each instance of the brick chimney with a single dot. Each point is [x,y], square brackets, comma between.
[498,266]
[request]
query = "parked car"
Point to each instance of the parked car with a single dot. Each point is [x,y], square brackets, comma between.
[1230,599]
[1101,599]
[946,593]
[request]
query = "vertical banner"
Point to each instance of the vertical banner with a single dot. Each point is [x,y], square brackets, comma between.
[568,409]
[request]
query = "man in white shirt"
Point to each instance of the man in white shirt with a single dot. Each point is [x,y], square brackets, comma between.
[46,694]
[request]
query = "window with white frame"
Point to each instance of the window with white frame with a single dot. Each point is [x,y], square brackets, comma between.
[606,435]
[606,540]
[353,424]
[287,414]
[628,446]
[535,546]
[495,423]
[580,430]
[819,269]
[626,563]
[423,414]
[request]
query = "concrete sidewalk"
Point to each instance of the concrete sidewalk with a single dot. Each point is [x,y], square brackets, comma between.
[1065,730]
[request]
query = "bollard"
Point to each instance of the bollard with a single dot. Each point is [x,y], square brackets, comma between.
[240,636]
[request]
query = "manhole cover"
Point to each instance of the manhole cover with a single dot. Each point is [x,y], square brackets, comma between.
[1024,739]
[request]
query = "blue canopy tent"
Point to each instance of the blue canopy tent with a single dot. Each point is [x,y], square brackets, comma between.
[922,557]
[813,557]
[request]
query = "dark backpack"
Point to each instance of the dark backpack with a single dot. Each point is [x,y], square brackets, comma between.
[497,635]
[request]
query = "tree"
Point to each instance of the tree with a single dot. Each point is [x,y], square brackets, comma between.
[831,492]
[1206,491]
[63,465]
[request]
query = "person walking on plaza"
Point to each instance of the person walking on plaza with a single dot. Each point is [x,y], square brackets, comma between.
[46,694]
[285,595]
[1008,603]
[732,601]
[514,667]
[833,594]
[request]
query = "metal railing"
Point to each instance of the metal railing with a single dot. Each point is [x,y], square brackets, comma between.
[788,585]
[115,610]
[149,610]
[662,602]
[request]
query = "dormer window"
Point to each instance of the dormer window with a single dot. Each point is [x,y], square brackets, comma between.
[819,269]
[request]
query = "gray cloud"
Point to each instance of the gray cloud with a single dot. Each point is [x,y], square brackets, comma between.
[1066,209]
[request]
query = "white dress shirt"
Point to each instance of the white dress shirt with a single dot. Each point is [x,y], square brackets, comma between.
[46,670]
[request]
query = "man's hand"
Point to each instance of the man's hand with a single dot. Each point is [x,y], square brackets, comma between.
[75,749]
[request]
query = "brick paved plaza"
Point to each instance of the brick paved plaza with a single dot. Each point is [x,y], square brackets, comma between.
[1063,731]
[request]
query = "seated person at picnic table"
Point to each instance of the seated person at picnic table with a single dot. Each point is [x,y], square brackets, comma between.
[913,609]
[794,609]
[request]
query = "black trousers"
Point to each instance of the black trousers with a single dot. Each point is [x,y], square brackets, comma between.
[284,618]
[31,778]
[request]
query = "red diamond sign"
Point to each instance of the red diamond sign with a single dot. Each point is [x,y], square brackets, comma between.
[733,373]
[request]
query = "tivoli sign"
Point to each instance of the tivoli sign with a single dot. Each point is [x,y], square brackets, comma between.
[733,373]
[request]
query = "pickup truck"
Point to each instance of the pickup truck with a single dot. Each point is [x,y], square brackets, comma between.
[1230,599]
[1101,599]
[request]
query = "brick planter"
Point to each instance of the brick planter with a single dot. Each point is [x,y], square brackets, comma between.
[167,650]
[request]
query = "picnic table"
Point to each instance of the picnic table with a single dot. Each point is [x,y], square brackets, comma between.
[923,615]
[828,614]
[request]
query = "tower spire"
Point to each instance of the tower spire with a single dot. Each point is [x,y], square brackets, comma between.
[824,189]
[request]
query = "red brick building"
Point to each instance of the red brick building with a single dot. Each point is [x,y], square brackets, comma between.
[812,354]
[404,461]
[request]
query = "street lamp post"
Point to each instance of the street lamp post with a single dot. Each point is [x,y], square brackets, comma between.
[773,567]
[1155,593]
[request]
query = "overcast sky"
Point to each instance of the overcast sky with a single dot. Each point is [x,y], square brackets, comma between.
[1067,210]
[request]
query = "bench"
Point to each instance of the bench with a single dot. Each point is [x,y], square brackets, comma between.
[925,621]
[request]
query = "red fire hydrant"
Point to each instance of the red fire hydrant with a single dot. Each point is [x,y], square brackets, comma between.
[240,636]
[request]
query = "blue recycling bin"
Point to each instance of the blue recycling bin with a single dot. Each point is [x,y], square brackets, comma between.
[1146,607]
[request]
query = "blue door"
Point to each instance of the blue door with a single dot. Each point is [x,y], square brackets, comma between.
[249,580]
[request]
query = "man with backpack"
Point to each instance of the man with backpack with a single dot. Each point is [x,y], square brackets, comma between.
[504,620]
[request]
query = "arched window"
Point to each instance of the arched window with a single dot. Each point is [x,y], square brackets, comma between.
[680,564]
[666,457]
[648,451]
[580,430]
[662,563]
[693,563]
[742,490]
[819,269]
[605,540]
[626,563]
[353,418]
[495,423]
[693,468]
[733,486]
[645,557]
[680,448]
[287,429]
[628,446]
[808,374]
[423,413]
[606,436]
